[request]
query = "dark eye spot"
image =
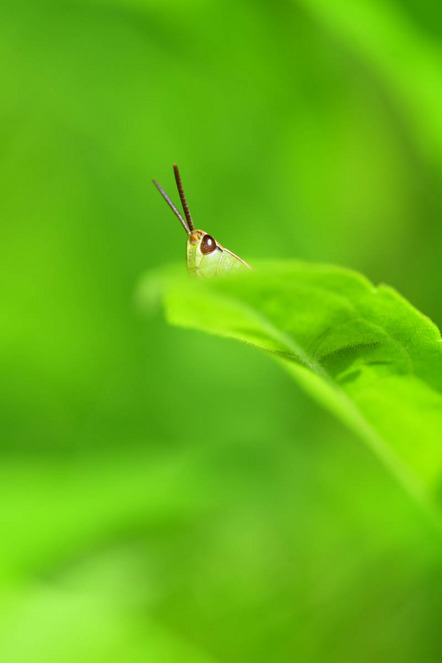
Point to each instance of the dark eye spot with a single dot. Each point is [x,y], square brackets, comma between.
[208,244]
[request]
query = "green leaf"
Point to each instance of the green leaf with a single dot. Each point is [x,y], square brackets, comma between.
[375,29]
[363,351]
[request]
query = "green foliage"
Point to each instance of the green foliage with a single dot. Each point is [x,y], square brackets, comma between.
[166,496]
[362,351]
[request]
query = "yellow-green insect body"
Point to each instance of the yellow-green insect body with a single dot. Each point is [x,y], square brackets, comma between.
[205,256]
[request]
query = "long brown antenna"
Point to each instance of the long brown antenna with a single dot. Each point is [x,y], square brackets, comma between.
[183,197]
[172,206]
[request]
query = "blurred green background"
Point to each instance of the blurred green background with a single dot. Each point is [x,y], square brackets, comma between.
[167,496]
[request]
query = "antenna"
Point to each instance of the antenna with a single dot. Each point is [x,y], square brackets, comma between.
[172,206]
[183,197]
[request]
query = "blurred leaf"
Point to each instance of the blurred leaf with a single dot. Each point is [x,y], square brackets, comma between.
[44,619]
[398,50]
[363,351]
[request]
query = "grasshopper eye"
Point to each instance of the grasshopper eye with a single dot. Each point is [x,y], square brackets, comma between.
[208,244]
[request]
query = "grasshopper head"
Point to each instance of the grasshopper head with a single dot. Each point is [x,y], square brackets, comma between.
[202,242]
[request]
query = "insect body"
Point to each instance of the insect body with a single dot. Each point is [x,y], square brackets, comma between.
[205,256]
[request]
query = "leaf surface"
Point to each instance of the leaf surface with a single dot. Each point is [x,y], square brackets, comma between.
[363,351]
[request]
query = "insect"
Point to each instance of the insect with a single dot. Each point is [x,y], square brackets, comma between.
[205,256]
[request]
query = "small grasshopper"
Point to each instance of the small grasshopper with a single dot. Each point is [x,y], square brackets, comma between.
[205,256]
